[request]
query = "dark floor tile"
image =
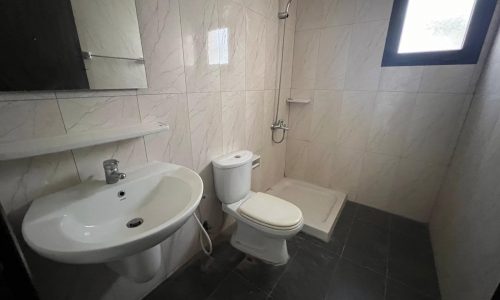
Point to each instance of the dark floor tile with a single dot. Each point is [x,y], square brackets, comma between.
[262,275]
[226,255]
[352,282]
[306,277]
[368,246]
[201,277]
[191,284]
[398,291]
[373,216]
[411,262]
[307,243]
[409,227]
[236,287]
[338,238]
[348,212]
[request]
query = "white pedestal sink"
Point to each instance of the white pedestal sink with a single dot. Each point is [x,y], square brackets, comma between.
[119,224]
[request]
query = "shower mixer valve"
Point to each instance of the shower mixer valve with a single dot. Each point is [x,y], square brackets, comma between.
[279,124]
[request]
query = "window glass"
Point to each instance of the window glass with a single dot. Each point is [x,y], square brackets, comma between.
[435,25]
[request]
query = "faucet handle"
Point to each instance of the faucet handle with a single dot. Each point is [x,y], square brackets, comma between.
[110,163]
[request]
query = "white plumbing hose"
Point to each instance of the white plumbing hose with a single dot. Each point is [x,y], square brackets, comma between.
[203,232]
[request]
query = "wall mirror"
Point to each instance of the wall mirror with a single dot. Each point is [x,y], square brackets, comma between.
[70,45]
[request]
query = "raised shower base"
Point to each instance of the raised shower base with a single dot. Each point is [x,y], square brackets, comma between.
[320,206]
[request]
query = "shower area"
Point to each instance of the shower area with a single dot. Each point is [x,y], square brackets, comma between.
[379,136]
[320,205]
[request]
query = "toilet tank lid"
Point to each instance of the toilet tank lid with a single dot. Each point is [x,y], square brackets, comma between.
[233,160]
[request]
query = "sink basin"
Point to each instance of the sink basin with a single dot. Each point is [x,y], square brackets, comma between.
[95,222]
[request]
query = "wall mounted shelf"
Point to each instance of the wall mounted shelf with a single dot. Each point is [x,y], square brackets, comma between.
[299,101]
[47,145]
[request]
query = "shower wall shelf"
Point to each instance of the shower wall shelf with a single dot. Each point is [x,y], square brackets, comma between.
[69,141]
[298,101]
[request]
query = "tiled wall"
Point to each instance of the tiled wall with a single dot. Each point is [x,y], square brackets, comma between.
[211,108]
[465,223]
[384,135]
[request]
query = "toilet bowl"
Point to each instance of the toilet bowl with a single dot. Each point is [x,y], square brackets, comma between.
[264,222]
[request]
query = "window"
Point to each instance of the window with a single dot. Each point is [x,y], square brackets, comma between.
[437,32]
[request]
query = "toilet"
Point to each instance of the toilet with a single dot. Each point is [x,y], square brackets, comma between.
[264,222]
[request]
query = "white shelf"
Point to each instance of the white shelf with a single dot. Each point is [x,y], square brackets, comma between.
[46,145]
[299,101]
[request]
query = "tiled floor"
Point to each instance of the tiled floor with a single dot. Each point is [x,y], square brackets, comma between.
[372,255]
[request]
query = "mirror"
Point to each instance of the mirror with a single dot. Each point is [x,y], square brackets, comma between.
[69,45]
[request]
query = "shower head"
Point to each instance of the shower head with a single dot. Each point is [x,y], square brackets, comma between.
[284,14]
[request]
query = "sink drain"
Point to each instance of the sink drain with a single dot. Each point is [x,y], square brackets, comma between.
[135,222]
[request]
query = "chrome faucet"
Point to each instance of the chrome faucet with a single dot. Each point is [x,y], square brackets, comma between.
[111,171]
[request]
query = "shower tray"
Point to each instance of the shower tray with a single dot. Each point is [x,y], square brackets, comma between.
[320,206]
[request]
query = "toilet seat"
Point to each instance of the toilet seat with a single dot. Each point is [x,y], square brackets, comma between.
[271,212]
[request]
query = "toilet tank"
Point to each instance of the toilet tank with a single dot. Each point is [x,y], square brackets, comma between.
[233,176]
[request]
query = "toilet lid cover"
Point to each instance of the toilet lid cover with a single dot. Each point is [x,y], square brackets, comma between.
[270,210]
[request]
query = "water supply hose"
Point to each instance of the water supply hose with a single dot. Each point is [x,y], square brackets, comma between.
[204,233]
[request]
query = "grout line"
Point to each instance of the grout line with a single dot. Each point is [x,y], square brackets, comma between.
[349,231]
[387,259]
[282,274]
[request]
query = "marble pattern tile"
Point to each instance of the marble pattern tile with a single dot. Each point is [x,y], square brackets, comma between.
[89,160]
[340,12]
[415,189]
[255,61]
[173,145]
[310,14]
[373,10]
[94,94]
[488,83]
[205,122]
[270,100]
[13,96]
[254,112]
[266,8]
[273,164]
[315,14]
[287,56]
[233,129]
[24,180]
[332,57]
[365,55]
[271,60]
[232,17]
[319,163]
[476,134]
[377,180]
[201,43]
[305,56]
[390,122]
[301,115]
[296,158]
[81,114]
[29,119]
[355,118]
[446,79]
[159,23]
[326,113]
[401,79]
[346,170]
[433,127]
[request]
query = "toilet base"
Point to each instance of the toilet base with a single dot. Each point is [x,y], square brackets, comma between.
[256,243]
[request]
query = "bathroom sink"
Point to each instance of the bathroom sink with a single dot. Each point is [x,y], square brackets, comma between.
[95,222]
